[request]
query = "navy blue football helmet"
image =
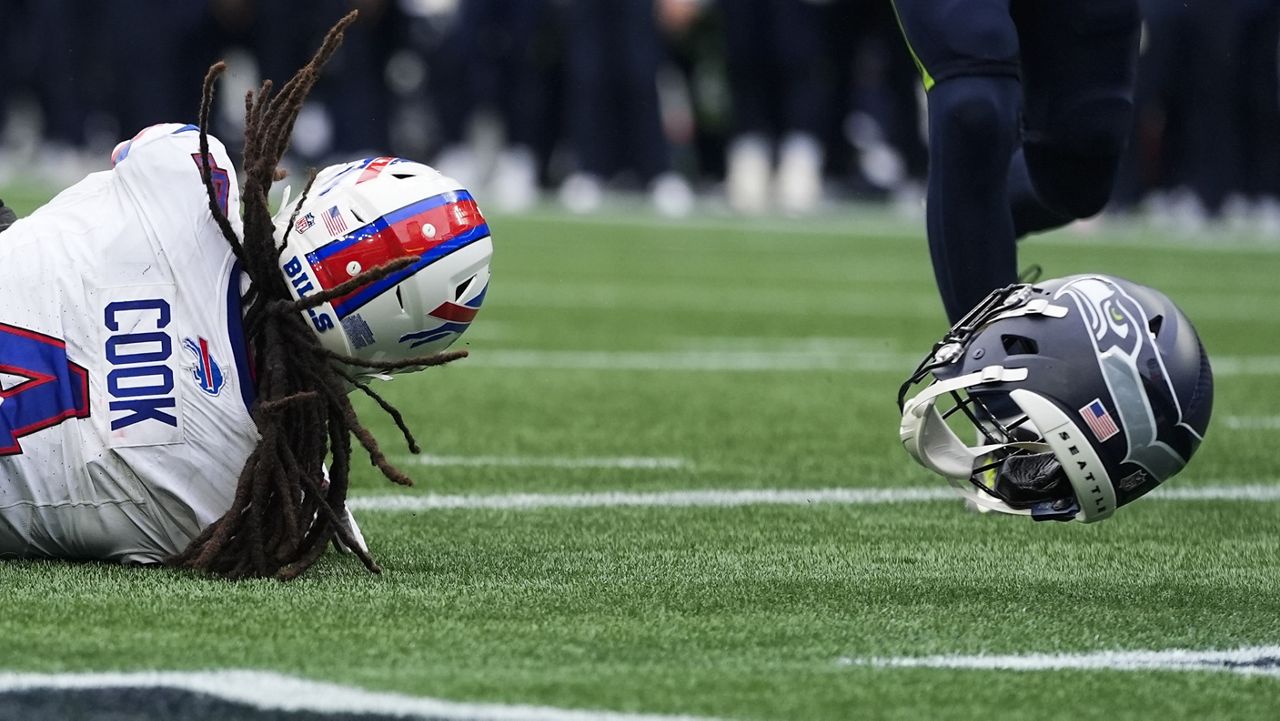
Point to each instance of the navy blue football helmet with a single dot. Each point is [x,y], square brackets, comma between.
[1086,392]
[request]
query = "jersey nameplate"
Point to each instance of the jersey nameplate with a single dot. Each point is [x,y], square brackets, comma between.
[140,365]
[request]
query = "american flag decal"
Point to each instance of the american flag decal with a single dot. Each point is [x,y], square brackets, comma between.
[333,221]
[1095,415]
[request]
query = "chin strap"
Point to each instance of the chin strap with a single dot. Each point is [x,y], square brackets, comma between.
[1035,306]
[920,403]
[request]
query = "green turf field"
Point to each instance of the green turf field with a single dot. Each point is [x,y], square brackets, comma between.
[631,355]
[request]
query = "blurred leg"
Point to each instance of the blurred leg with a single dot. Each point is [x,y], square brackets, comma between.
[59,67]
[635,37]
[587,80]
[356,94]
[522,98]
[1145,164]
[150,36]
[746,37]
[1259,33]
[1079,62]
[967,53]
[752,76]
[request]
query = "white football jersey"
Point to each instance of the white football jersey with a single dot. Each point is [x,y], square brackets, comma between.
[124,380]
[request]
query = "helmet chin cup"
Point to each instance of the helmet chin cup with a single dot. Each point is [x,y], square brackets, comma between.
[1093,487]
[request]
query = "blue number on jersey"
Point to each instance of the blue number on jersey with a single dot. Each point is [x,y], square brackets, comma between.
[55,389]
[220,178]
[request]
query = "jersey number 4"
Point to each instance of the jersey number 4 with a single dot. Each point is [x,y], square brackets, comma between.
[218,177]
[39,386]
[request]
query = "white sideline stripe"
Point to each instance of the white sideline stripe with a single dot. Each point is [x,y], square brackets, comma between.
[714,361]
[859,221]
[671,499]
[624,462]
[1260,492]
[1253,423]
[1235,661]
[272,691]
[810,343]
[1256,365]
[730,498]
[781,360]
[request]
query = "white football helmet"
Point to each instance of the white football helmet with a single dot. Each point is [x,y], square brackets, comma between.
[369,212]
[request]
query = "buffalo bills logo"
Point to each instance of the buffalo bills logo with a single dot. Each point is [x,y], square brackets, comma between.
[207,373]
[451,319]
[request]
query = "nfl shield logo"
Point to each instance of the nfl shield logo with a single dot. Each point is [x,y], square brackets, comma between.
[304,223]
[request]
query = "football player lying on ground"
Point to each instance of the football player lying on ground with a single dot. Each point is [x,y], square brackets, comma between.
[175,375]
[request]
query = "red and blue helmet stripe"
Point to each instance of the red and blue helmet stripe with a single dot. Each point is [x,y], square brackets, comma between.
[430,229]
[457,318]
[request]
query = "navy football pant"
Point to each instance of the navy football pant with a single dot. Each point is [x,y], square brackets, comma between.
[1030,103]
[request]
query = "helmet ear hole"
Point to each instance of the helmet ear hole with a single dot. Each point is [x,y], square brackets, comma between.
[462,287]
[1019,345]
[1155,324]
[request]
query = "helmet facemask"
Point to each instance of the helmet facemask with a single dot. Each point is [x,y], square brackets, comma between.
[1022,439]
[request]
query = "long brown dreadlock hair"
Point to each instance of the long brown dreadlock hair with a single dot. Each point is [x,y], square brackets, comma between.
[285,512]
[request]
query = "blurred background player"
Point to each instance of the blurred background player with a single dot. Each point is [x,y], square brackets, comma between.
[510,87]
[492,47]
[1205,116]
[614,122]
[1030,105]
[774,51]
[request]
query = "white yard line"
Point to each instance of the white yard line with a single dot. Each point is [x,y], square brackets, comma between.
[1252,423]
[273,691]
[791,344]
[712,361]
[1250,660]
[861,222]
[1258,492]
[728,498]
[671,499]
[783,359]
[1258,365]
[647,463]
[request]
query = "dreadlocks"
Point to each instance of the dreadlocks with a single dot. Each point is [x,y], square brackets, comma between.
[285,512]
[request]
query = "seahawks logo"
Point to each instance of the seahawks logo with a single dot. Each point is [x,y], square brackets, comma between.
[1123,343]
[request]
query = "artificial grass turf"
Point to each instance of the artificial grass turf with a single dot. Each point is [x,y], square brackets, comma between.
[738,612]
